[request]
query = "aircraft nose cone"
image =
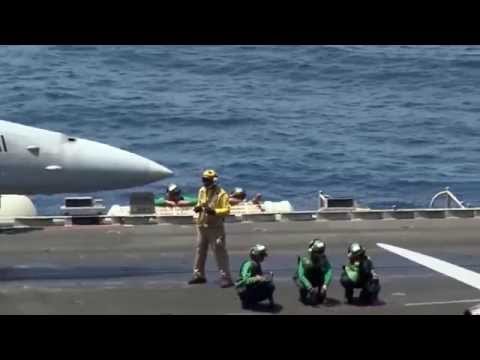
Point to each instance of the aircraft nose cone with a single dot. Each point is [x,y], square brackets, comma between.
[158,171]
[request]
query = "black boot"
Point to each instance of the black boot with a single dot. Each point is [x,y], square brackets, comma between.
[226,283]
[349,295]
[271,303]
[197,279]
[321,297]
[364,297]
[246,305]
[373,298]
[303,296]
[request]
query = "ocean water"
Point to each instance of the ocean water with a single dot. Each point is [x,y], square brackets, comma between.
[387,125]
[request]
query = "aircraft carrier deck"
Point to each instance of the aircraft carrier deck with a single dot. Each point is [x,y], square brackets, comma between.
[143,269]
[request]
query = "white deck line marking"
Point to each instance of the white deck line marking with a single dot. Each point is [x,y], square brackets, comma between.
[459,273]
[444,302]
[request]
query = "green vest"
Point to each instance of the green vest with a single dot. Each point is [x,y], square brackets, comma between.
[359,271]
[309,274]
[352,271]
[192,200]
[248,270]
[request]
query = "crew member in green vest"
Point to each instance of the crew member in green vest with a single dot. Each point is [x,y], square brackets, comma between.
[252,285]
[359,273]
[313,274]
[173,197]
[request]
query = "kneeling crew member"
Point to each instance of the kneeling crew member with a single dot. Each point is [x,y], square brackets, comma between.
[252,286]
[359,273]
[313,274]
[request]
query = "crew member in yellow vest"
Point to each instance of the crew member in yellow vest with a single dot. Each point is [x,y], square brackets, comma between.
[212,207]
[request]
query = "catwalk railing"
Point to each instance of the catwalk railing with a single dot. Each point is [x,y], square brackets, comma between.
[337,215]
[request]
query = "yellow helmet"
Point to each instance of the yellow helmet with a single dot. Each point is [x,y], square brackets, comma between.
[210,174]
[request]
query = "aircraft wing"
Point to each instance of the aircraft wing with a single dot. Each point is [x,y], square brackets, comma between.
[456,272]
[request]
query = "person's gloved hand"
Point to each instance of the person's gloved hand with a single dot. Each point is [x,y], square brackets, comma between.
[210,211]
[268,277]
[197,209]
[259,278]
[323,290]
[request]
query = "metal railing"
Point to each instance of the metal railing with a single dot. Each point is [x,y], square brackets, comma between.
[449,198]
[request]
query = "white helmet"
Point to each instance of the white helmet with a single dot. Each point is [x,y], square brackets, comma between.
[316,246]
[173,188]
[356,249]
[258,250]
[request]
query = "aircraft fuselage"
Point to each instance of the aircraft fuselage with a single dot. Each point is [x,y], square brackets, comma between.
[37,161]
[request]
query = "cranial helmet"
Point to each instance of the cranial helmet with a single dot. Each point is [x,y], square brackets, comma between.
[239,193]
[316,246]
[356,249]
[258,250]
[173,188]
[210,174]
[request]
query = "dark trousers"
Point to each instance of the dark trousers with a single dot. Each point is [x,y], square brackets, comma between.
[254,293]
[370,289]
[309,298]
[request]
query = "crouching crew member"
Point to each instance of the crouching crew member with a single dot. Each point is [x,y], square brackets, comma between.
[253,286]
[359,273]
[313,274]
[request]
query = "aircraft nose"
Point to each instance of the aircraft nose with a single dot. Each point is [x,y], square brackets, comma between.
[106,167]
[158,171]
[136,169]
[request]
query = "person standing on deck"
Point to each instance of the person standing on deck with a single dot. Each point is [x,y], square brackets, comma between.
[212,208]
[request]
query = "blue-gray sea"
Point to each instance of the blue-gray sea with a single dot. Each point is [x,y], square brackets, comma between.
[387,125]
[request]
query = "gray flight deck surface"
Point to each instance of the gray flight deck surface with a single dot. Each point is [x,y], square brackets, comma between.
[143,269]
